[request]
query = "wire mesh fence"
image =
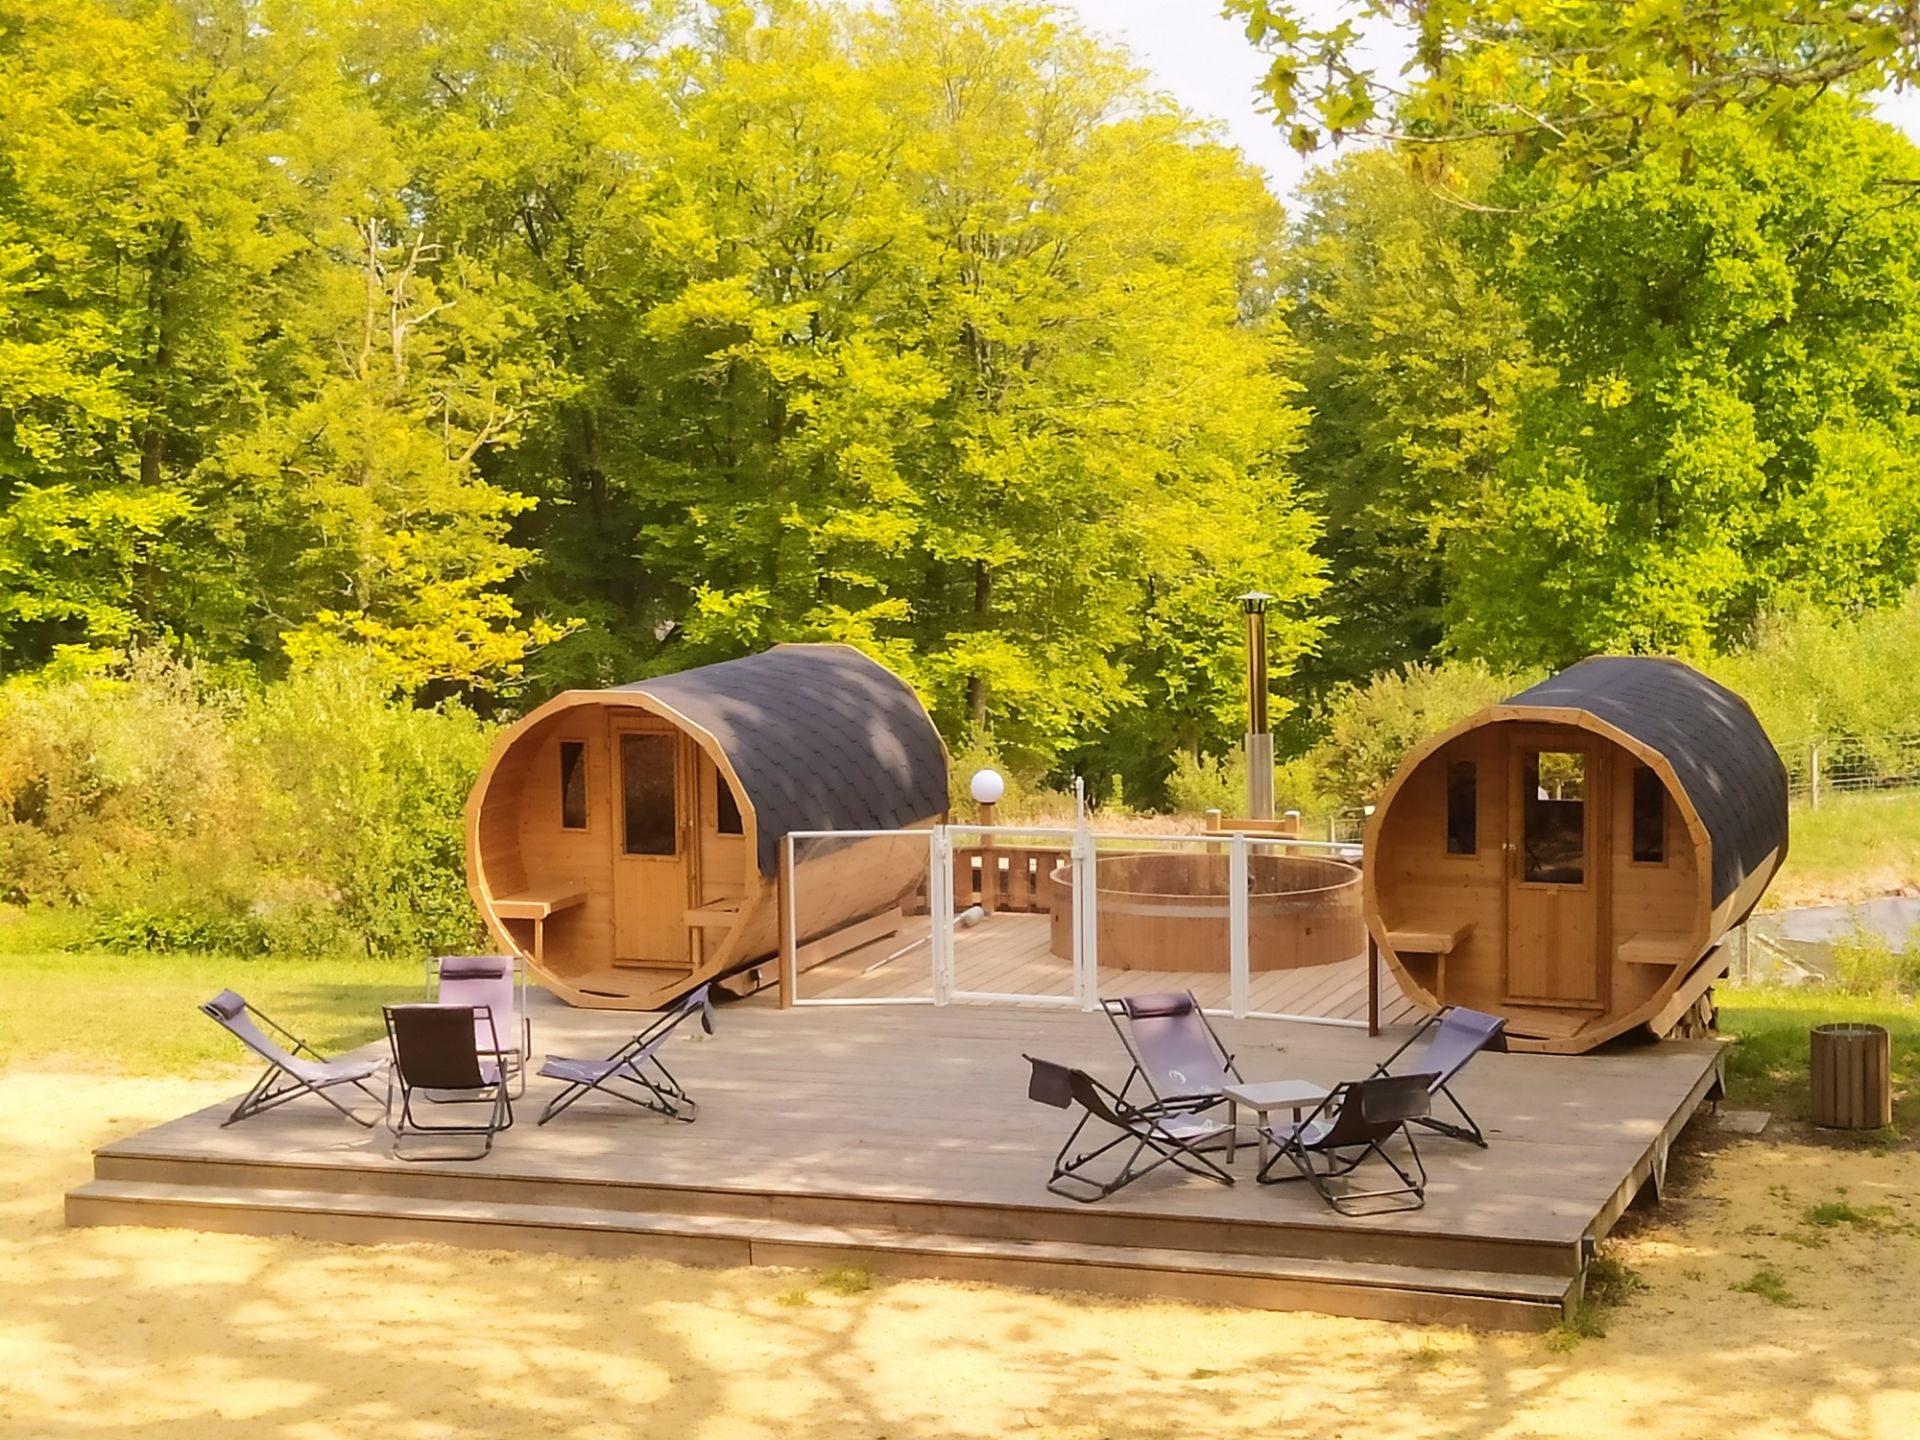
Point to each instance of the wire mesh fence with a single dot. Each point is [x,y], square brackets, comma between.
[1829,764]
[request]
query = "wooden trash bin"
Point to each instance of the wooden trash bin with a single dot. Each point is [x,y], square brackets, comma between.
[1852,1077]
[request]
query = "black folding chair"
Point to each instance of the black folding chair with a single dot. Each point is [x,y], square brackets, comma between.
[437,1049]
[1171,1136]
[635,1072]
[1177,1055]
[294,1068]
[1352,1124]
[1447,1042]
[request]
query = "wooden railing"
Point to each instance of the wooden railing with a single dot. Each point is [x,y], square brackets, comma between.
[1001,879]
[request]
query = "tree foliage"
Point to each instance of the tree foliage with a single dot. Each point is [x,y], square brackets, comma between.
[1730,428]
[555,343]
[1588,85]
[1635,419]
[1416,357]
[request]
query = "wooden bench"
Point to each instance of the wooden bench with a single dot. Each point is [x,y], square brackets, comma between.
[1653,949]
[1437,943]
[527,905]
[1429,942]
[714,915]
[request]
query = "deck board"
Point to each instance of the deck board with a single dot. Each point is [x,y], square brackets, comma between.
[928,1103]
[1008,954]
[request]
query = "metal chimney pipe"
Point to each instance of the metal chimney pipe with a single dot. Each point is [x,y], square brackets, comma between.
[1259,743]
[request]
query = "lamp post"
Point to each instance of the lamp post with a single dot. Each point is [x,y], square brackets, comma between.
[987,787]
[1259,744]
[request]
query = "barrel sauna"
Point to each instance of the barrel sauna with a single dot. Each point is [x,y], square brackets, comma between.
[626,841]
[1571,858]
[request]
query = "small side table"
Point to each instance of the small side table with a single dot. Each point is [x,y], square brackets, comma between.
[1264,1095]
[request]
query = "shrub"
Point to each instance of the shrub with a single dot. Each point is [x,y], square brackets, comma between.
[1866,964]
[107,784]
[365,795]
[1196,785]
[319,813]
[1811,678]
[1371,727]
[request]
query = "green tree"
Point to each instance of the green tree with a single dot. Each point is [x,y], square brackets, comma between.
[1415,360]
[1589,84]
[364,491]
[1735,338]
[187,356]
[1000,392]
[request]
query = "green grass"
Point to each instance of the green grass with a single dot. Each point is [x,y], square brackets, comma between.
[1769,1285]
[1610,1281]
[1852,847]
[847,1280]
[1767,1066]
[1838,1212]
[137,1013]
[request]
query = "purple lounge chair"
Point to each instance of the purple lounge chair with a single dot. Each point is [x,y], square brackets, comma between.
[1446,1042]
[629,1067]
[1353,1123]
[1170,1135]
[1176,1053]
[442,1049]
[498,984]
[291,1072]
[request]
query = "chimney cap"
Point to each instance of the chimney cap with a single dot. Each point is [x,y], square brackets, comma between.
[1254,602]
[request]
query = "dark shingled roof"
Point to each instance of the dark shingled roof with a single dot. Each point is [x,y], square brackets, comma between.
[821,737]
[1724,761]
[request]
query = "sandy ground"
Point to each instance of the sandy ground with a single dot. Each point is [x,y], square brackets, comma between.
[141,1333]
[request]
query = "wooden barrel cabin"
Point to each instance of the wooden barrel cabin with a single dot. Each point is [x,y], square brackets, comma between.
[1570,859]
[626,841]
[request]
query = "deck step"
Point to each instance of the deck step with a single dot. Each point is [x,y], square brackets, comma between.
[1467,1297]
[1403,1245]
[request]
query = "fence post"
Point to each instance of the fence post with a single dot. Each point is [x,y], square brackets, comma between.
[940,913]
[1238,955]
[789,940]
[1086,919]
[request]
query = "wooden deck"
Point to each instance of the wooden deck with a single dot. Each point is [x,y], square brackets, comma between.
[901,1138]
[1007,954]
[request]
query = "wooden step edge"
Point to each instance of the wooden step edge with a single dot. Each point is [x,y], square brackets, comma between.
[1301,1238]
[1514,1301]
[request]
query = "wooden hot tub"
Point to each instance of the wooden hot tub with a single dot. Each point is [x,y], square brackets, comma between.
[1167,910]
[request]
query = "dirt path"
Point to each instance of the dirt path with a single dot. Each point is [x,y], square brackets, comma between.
[147,1333]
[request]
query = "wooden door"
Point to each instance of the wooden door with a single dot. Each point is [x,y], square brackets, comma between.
[653,831]
[1556,869]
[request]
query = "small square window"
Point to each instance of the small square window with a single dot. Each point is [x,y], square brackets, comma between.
[726,809]
[1463,808]
[1649,817]
[573,785]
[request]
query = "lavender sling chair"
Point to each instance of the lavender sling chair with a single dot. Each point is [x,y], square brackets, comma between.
[635,1072]
[1171,1136]
[442,1049]
[291,1072]
[498,984]
[1447,1042]
[1354,1123]
[1176,1053]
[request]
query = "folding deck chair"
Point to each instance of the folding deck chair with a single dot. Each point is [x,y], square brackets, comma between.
[499,983]
[1172,1136]
[440,1048]
[291,1072]
[1353,1123]
[1176,1053]
[626,1071]
[1448,1041]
